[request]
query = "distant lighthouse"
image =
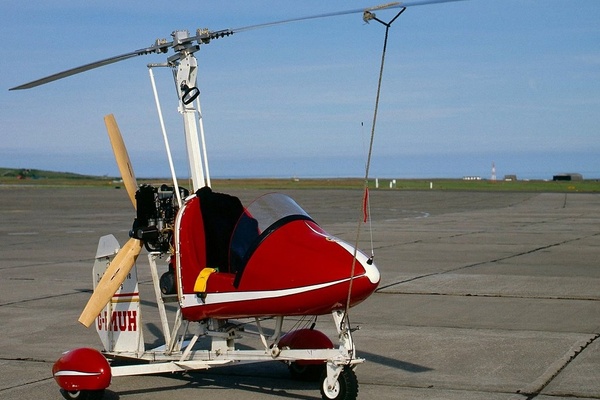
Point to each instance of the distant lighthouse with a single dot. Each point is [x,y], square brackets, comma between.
[493,172]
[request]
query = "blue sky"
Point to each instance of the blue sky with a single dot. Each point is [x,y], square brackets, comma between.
[514,82]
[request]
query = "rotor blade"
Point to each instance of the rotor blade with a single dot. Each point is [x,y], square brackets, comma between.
[111,280]
[397,4]
[162,47]
[120,151]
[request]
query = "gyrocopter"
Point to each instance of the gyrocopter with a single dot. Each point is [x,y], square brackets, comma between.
[219,261]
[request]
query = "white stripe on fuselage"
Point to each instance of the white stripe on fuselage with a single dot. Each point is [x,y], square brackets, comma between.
[191,299]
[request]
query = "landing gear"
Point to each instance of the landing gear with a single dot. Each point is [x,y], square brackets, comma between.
[83,394]
[303,370]
[344,388]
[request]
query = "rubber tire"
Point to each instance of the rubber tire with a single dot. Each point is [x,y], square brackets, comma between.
[83,394]
[167,283]
[306,373]
[346,387]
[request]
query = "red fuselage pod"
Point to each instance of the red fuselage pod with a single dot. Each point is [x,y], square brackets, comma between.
[82,369]
[280,263]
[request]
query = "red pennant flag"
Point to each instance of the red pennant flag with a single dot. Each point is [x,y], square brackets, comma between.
[366,205]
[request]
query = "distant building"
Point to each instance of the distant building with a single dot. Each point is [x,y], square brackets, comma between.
[510,178]
[471,178]
[568,177]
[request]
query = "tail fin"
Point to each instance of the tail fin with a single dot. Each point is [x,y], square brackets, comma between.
[119,323]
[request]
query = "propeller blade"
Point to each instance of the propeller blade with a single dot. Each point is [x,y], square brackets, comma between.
[111,280]
[118,146]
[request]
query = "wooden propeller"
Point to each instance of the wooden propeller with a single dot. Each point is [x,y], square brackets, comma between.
[125,259]
[111,280]
[122,157]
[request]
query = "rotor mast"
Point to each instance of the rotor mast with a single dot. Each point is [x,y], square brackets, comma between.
[185,72]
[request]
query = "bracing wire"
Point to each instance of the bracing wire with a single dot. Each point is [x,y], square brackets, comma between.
[368,16]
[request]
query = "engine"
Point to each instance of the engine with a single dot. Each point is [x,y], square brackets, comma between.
[156,211]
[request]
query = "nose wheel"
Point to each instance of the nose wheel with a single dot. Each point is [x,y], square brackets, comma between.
[345,386]
[82,394]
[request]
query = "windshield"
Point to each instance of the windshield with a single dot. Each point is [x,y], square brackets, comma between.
[260,218]
[272,207]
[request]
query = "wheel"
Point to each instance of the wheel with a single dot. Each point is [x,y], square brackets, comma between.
[83,394]
[167,283]
[306,372]
[346,387]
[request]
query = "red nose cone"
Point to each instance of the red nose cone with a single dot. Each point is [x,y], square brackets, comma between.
[82,369]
